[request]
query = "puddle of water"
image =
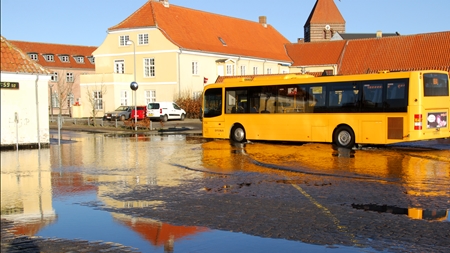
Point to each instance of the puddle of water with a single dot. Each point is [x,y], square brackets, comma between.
[56,192]
[77,220]
[413,213]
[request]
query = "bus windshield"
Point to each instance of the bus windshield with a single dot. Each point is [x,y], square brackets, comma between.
[212,105]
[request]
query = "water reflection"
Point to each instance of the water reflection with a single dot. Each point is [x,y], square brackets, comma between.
[56,191]
[158,233]
[26,190]
[413,213]
[343,152]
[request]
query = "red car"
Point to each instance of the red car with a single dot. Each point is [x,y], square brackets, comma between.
[141,112]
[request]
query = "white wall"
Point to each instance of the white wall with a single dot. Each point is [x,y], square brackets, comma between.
[23,102]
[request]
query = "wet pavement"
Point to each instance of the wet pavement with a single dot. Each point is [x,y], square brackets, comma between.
[112,190]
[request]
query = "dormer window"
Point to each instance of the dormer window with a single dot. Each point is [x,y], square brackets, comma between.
[91,59]
[64,58]
[79,59]
[33,56]
[49,57]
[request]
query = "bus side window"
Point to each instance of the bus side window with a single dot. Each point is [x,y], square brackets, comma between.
[396,97]
[334,99]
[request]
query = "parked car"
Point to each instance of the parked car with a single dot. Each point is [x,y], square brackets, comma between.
[121,113]
[165,111]
[141,112]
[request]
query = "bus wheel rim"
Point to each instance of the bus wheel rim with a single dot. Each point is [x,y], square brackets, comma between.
[239,134]
[344,138]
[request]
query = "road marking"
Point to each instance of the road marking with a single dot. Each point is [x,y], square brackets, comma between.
[341,228]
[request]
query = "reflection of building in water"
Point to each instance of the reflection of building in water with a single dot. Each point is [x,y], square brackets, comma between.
[158,233]
[26,190]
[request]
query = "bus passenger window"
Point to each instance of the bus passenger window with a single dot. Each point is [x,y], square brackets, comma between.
[334,99]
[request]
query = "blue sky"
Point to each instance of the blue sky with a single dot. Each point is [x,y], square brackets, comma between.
[85,22]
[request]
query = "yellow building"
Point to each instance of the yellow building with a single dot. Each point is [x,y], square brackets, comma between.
[171,51]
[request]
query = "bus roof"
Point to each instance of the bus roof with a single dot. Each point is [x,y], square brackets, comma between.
[306,78]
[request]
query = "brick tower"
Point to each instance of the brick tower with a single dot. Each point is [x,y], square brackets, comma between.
[323,22]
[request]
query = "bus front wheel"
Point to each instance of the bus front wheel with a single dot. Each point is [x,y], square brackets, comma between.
[238,134]
[344,137]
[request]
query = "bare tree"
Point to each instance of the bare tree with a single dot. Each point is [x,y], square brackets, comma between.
[95,96]
[64,87]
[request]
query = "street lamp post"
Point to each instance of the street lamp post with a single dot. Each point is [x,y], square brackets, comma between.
[134,85]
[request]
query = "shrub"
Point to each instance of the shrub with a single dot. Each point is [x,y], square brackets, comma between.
[190,105]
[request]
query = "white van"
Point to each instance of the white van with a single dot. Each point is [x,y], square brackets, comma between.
[164,111]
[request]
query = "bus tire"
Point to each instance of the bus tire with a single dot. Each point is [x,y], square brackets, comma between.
[344,137]
[237,134]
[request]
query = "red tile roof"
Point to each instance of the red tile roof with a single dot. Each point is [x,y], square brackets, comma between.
[14,60]
[200,31]
[315,53]
[325,12]
[56,50]
[400,53]
[412,52]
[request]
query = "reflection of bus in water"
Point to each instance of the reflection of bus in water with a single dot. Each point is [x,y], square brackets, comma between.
[408,172]
[378,108]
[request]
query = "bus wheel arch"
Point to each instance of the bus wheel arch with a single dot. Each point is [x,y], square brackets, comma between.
[237,133]
[344,136]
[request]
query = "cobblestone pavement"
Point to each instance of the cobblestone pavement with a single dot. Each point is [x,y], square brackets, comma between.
[311,209]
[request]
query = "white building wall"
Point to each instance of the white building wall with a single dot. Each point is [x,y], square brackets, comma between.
[22,102]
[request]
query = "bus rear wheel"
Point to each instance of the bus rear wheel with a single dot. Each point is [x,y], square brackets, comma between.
[344,137]
[238,134]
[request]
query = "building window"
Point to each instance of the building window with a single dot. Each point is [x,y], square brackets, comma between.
[243,70]
[64,58]
[91,59]
[49,57]
[123,40]
[255,70]
[54,77]
[98,100]
[79,59]
[195,68]
[33,57]
[55,100]
[69,77]
[119,66]
[149,67]
[123,97]
[269,71]
[143,39]
[150,96]
[229,70]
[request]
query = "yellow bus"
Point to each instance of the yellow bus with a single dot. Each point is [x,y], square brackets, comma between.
[381,108]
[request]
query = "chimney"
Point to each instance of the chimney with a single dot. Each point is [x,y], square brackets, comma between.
[379,34]
[165,3]
[263,21]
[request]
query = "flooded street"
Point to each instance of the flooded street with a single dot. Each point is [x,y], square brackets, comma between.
[183,193]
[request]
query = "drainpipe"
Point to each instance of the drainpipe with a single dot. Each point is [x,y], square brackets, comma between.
[37,111]
[179,74]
